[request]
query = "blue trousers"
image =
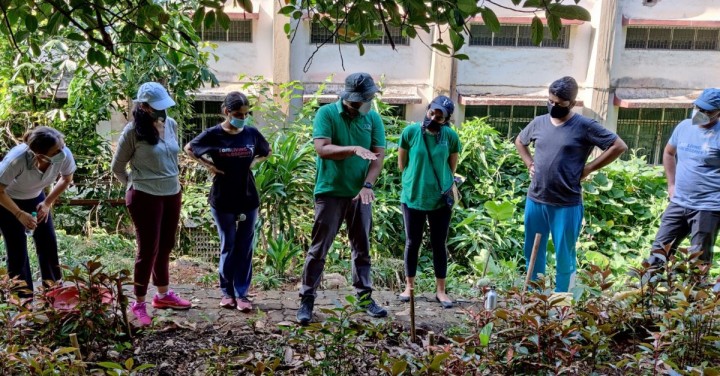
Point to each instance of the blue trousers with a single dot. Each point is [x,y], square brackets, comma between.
[236,251]
[564,223]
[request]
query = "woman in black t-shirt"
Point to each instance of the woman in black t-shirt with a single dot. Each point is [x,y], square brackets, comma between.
[228,150]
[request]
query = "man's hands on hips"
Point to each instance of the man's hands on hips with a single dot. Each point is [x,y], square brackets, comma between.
[366,196]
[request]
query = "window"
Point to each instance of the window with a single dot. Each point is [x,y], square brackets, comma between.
[516,36]
[206,114]
[647,130]
[665,38]
[508,120]
[396,111]
[321,34]
[239,31]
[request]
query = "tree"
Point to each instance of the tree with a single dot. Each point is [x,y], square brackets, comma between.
[356,21]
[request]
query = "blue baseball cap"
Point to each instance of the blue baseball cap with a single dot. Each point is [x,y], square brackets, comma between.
[443,104]
[709,100]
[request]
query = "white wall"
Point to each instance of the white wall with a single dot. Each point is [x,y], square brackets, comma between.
[668,72]
[251,59]
[525,70]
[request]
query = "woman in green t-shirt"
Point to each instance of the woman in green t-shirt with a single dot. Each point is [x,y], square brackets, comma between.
[427,157]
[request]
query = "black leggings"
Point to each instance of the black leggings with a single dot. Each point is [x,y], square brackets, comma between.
[439,220]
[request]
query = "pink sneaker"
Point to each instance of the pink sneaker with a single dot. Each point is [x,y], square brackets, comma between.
[244,305]
[170,301]
[139,310]
[227,302]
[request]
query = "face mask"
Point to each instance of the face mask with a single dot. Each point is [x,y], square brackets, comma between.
[431,124]
[58,158]
[365,108]
[159,115]
[700,118]
[558,112]
[238,123]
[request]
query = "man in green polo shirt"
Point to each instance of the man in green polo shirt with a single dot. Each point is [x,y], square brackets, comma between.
[350,143]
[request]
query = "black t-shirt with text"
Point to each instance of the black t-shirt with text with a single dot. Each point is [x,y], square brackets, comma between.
[560,156]
[234,191]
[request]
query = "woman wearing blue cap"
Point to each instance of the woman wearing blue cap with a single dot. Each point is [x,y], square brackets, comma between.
[428,157]
[149,145]
[25,172]
[233,148]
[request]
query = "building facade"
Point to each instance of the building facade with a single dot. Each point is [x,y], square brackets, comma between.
[639,63]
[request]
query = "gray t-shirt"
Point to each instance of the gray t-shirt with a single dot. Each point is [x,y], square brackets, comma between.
[697,176]
[21,177]
[153,168]
[560,156]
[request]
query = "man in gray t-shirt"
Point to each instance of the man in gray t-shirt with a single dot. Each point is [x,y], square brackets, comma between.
[563,142]
[692,165]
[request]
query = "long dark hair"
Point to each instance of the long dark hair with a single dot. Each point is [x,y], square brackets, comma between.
[41,139]
[144,125]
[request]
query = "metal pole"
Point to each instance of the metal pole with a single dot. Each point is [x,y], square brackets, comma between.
[533,257]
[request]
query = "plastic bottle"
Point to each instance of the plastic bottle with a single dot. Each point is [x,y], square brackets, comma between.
[28,231]
[491,299]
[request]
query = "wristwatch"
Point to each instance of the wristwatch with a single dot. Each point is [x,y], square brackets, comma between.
[368,185]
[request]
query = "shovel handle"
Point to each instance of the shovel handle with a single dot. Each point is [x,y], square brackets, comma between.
[533,257]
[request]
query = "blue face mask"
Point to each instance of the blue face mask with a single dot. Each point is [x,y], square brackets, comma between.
[58,158]
[238,123]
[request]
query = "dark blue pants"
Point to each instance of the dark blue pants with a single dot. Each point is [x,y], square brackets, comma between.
[439,220]
[236,251]
[18,262]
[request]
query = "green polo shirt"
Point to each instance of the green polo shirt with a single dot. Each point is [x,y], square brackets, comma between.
[345,177]
[419,186]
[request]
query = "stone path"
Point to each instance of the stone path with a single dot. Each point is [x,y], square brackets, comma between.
[274,307]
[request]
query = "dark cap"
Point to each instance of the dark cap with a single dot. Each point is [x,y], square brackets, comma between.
[709,100]
[443,104]
[359,87]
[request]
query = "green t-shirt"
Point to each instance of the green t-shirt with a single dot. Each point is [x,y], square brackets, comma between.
[419,186]
[345,177]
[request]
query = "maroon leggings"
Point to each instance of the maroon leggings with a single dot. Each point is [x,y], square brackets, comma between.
[156,221]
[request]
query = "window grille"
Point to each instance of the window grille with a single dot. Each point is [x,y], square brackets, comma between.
[206,114]
[321,34]
[665,38]
[647,130]
[508,120]
[239,31]
[516,36]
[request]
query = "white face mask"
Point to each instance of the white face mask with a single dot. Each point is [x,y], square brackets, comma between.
[700,118]
[365,108]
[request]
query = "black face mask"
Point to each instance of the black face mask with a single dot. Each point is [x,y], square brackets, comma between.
[431,124]
[558,112]
[159,115]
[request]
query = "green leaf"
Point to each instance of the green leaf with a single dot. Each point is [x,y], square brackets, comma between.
[31,23]
[286,10]
[485,334]
[569,12]
[490,19]
[246,5]
[361,48]
[438,360]
[461,56]
[198,17]
[597,258]
[110,365]
[456,39]
[399,367]
[223,20]
[554,24]
[533,4]
[209,19]
[35,48]
[467,6]
[442,47]
[499,211]
[516,2]
[536,29]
